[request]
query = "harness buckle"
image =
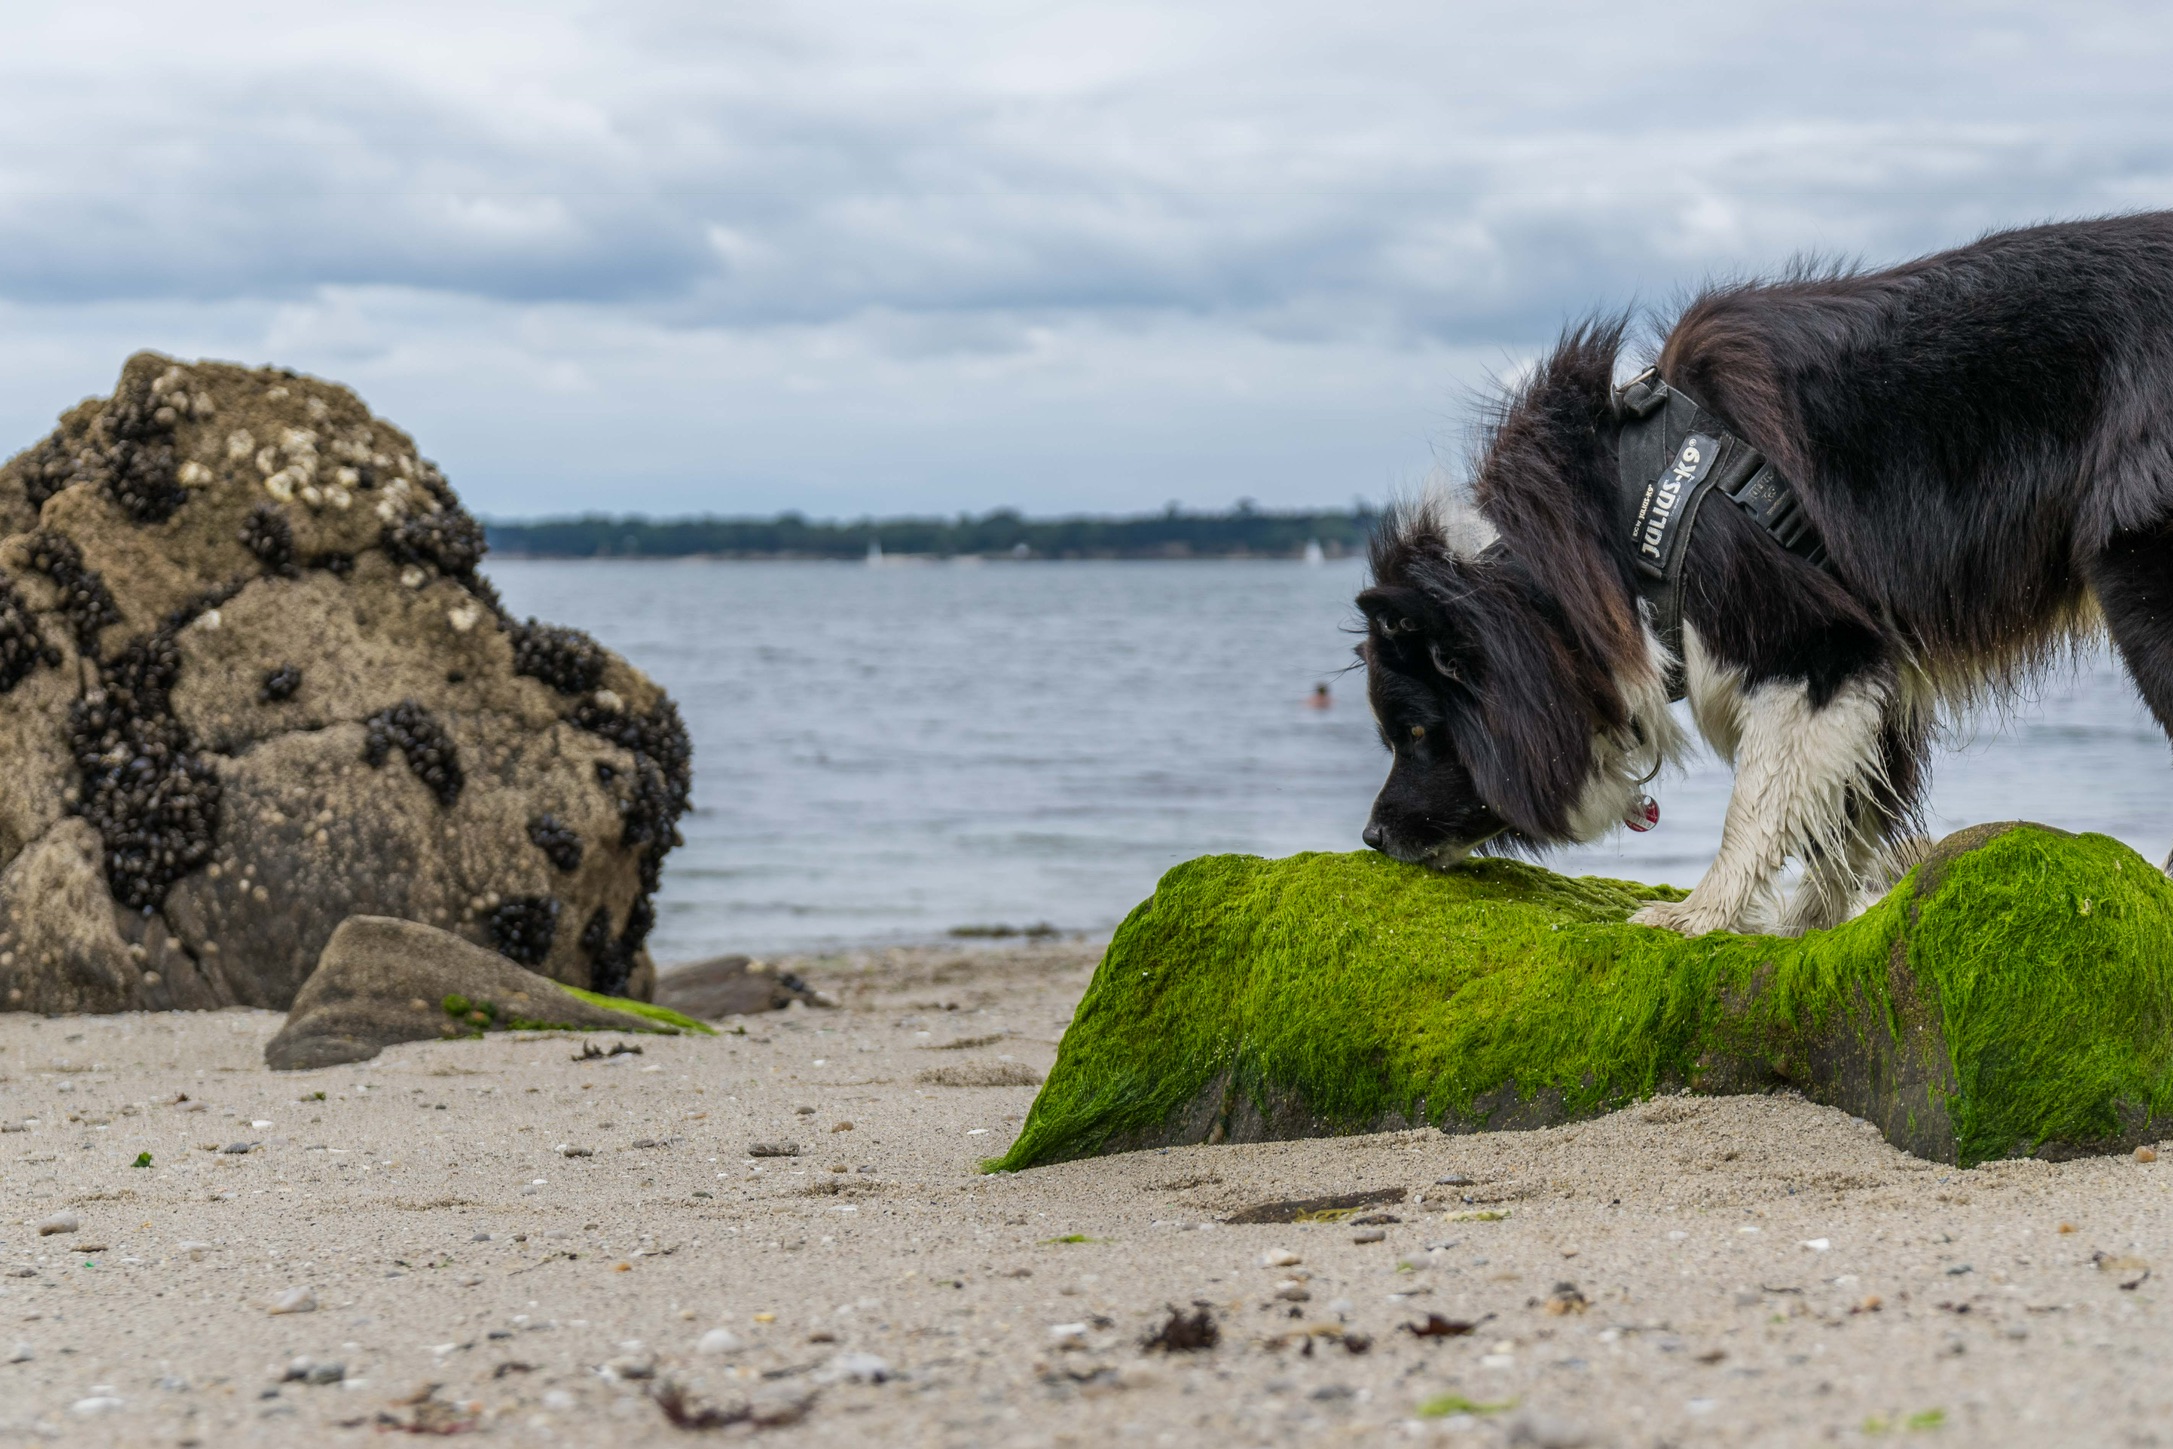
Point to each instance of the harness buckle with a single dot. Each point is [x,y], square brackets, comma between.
[1642,396]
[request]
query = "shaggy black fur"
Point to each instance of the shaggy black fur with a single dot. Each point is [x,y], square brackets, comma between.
[1984,439]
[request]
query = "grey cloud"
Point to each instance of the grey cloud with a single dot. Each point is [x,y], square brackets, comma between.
[1418,170]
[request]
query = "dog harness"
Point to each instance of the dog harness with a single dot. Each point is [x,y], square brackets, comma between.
[1673,454]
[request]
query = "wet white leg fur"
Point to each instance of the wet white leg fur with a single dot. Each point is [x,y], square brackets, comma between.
[1795,768]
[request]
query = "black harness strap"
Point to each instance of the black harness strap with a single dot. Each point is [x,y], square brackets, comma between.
[1673,454]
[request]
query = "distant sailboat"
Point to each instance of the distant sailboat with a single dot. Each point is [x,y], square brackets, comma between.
[1313,556]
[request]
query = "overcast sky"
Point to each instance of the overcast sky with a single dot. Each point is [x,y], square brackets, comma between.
[890,255]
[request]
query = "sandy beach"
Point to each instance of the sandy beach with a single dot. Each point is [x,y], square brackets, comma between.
[559,1245]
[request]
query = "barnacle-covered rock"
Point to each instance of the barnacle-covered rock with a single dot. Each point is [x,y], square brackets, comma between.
[252,684]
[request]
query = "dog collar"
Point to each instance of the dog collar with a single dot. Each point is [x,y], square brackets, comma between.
[1674,453]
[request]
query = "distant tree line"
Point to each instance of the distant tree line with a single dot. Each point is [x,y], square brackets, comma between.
[1243,532]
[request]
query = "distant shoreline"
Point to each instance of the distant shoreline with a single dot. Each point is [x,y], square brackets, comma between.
[1006,536]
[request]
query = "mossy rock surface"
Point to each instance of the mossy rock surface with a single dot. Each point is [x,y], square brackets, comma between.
[2013,995]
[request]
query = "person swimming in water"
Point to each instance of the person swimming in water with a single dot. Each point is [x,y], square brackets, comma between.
[1321,699]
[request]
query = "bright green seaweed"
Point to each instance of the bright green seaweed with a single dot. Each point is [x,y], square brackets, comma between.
[2012,995]
[480,1016]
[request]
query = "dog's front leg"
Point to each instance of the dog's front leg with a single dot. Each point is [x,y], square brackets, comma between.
[1795,766]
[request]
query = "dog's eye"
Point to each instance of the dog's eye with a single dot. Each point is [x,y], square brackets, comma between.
[1418,732]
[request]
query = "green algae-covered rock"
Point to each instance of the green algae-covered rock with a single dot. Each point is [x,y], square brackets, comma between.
[2013,995]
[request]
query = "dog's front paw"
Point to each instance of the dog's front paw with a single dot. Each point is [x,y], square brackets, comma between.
[1684,917]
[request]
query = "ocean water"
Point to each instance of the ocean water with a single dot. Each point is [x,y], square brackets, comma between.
[889,753]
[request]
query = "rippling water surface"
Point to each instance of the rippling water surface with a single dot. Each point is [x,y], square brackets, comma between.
[889,753]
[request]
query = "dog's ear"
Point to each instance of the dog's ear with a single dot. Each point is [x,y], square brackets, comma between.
[1525,742]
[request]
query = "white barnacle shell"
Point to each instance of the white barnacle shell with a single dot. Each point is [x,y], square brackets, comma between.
[281,486]
[276,394]
[338,497]
[267,461]
[608,699]
[166,382]
[239,445]
[311,495]
[317,409]
[412,577]
[463,618]
[202,405]
[385,510]
[347,477]
[209,619]
[194,474]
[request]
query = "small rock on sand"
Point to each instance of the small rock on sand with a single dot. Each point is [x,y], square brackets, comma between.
[718,1340]
[65,1221]
[293,1300]
[1280,1258]
[858,1368]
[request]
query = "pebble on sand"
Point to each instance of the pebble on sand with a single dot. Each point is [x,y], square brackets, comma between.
[718,1340]
[2146,1154]
[1369,1235]
[858,1368]
[22,1353]
[1280,1258]
[65,1221]
[293,1300]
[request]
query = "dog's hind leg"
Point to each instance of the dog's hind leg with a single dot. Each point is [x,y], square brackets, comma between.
[1803,776]
[2133,580]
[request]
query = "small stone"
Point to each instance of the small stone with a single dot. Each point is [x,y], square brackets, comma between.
[293,1300]
[718,1340]
[102,1400]
[21,1353]
[1566,1298]
[1543,1431]
[1280,1258]
[238,1149]
[847,1127]
[773,1149]
[858,1368]
[632,1366]
[1290,1290]
[65,1221]
[567,1149]
[1454,1179]
[1369,1235]
[192,1249]
[1068,1335]
[2146,1154]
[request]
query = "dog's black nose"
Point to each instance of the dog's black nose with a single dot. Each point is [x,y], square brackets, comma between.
[1375,837]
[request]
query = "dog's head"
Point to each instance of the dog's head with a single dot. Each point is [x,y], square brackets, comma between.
[1506,672]
[1505,734]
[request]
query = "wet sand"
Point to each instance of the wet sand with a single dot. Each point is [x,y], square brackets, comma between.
[550,1242]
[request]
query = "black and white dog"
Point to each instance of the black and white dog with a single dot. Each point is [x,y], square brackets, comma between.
[1980,451]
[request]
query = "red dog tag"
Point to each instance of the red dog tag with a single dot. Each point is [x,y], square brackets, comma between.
[1643,814]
